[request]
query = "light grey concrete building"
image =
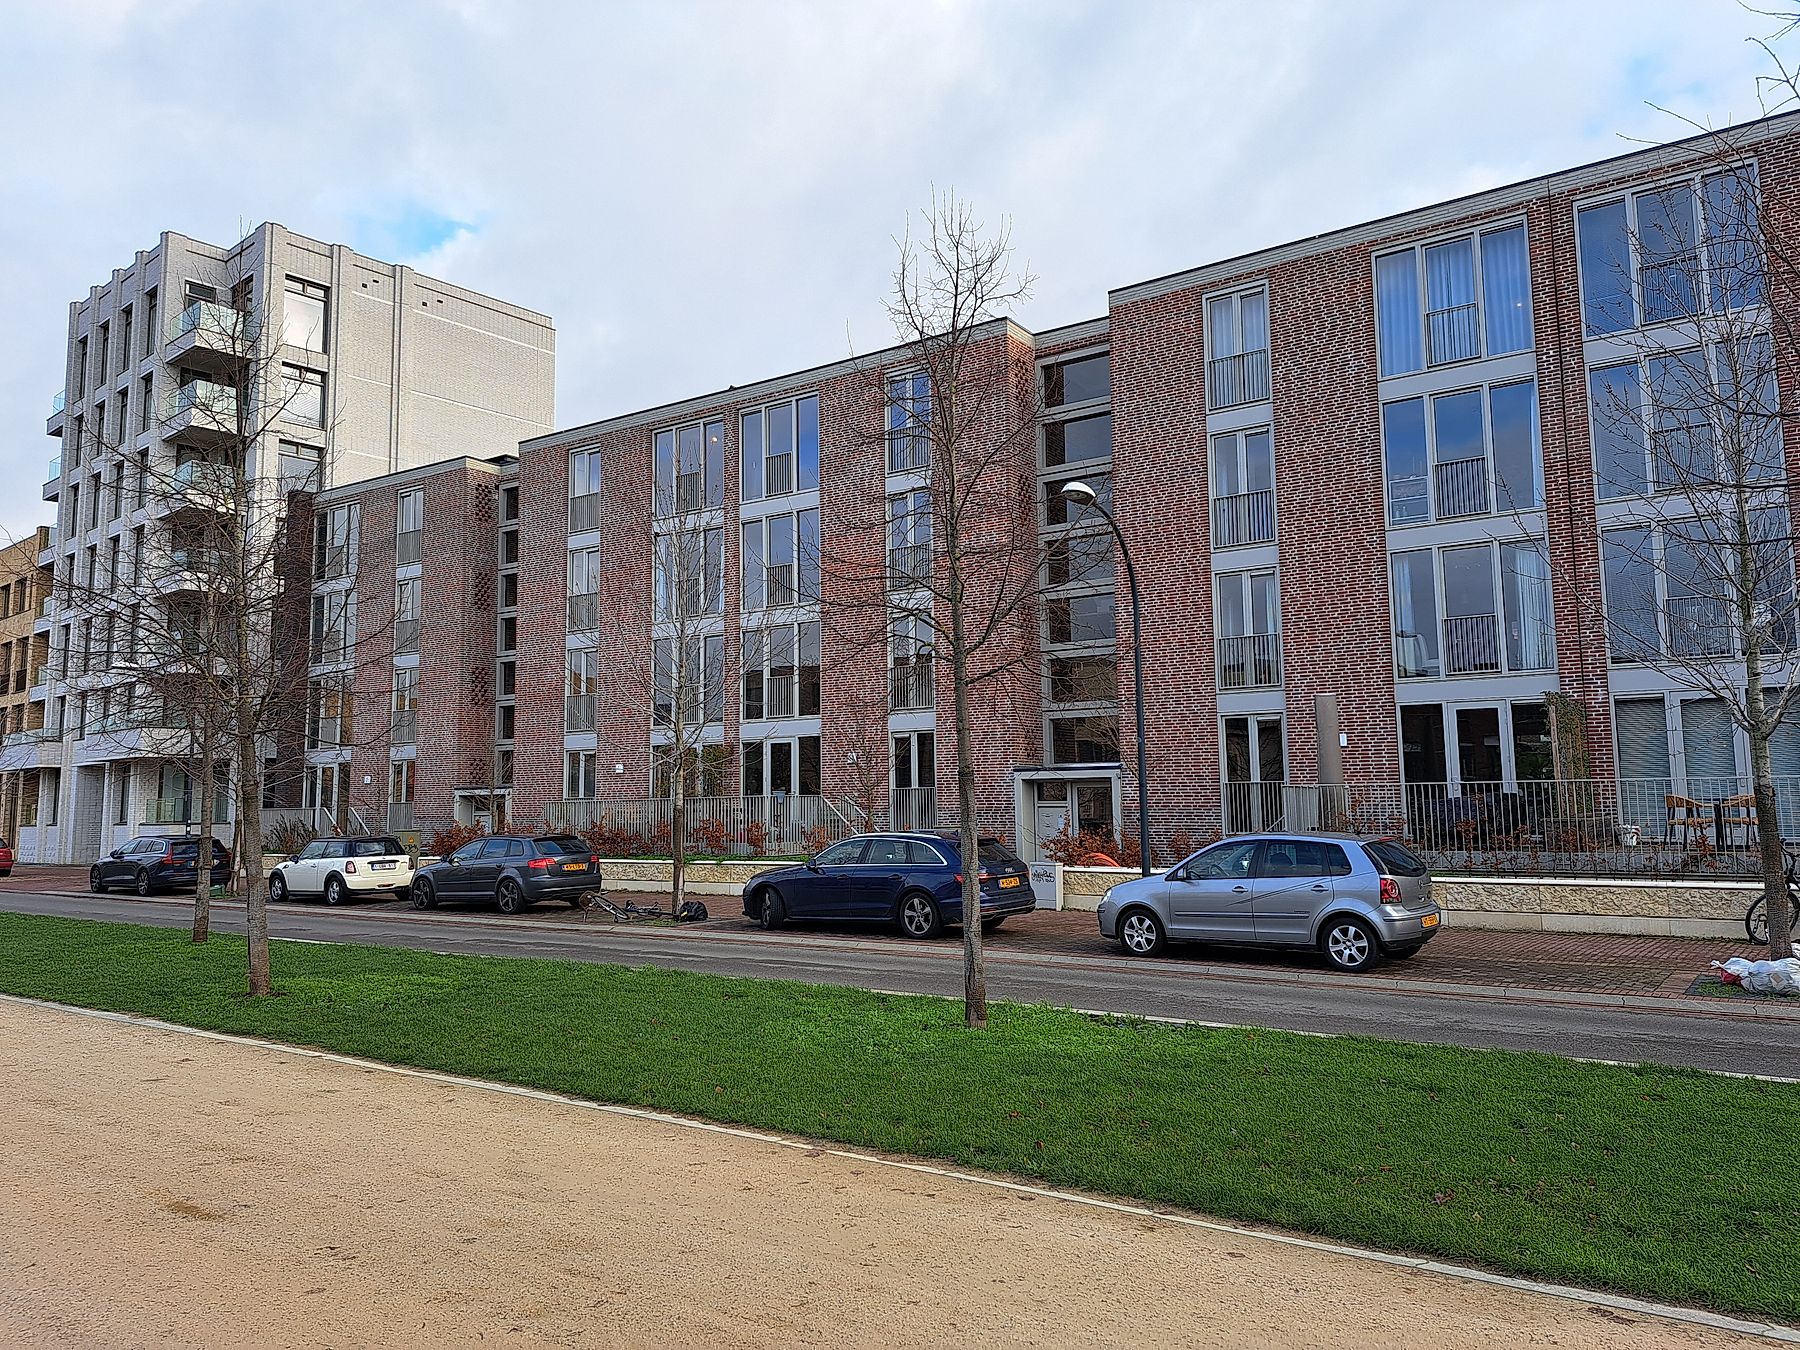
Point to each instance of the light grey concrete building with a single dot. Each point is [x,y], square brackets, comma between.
[375,369]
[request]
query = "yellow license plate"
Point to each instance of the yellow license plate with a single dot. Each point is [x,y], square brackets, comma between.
[575,867]
[1429,921]
[1007,883]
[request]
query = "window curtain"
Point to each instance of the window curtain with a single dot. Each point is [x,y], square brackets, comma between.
[1506,290]
[1397,313]
[1530,625]
[1255,311]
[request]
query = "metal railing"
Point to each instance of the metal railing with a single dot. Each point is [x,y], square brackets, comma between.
[1698,626]
[719,826]
[584,512]
[578,712]
[1472,644]
[33,736]
[584,613]
[406,726]
[400,816]
[1244,518]
[1250,662]
[910,686]
[1454,333]
[408,547]
[206,319]
[1462,487]
[214,405]
[909,565]
[912,808]
[54,471]
[406,637]
[1243,378]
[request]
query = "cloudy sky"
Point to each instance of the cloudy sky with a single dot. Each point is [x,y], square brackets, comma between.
[704,194]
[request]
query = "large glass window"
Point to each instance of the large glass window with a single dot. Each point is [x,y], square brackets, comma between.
[781,560]
[1237,348]
[908,422]
[909,539]
[1079,440]
[1243,480]
[1453,300]
[1678,422]
[406,617]
[1629,568]
[689,467]
[1086,379]
[781,671]
[1249,634]
[1446,621]
[780,448]
[694,690]
[690,573]
[1408,460]
[584,490]
[303,312]
[1525,595]
[1080,618]
[409,526]
[584,590]
[335,542]
[303,396]
[1468,452]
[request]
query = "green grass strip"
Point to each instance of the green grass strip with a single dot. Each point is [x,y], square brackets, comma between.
[1669,1184]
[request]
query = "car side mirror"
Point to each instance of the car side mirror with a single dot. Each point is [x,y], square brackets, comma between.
[812,864]
[293,857]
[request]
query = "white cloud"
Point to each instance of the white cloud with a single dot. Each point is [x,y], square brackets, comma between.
[705,194]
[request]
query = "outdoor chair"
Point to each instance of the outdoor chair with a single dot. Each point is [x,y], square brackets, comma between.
[1688,816]
[1737,813]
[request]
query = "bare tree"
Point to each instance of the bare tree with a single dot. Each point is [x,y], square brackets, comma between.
[957,574]
[1697,291]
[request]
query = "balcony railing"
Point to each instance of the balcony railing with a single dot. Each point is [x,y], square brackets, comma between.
[211,322]
[584,513]
[406,637]
[584,613]
[910,686]
[211,405]
[1698,626]
[909,565]
[1472,644]
[35,736]
[60,402]
[1454,333]
[406,726]
[1244,518]
[1243,378]
[54,471]
[912,808]
[408,547]
[1462,488]
[201,478]
[186,811]
[400,816]
[1250,662]
[578,712]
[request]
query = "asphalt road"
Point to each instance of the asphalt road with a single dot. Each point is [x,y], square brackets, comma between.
[1726,1039]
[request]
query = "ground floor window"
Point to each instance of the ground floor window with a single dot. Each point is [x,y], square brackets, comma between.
[1255,773]
[782,767]
[914,792]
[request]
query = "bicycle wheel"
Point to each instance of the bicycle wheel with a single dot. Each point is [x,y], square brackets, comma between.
[1756,921]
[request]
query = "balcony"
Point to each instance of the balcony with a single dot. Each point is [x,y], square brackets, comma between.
[913,808]
[909,566]
[1454,333]
[202,486]
[53,479]
[202,410]
[53,425]
[1462,488]
[584,613]
[1472,645]
[1698,626]
[1235,380]
[578,712]
[207,335]
[1250,662]
[910,686]
[30,749]
[1244,518]
[584,513]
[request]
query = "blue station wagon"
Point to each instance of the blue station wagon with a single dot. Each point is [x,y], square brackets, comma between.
[913,881]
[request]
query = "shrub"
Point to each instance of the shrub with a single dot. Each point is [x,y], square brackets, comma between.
[1090,848]
[611,840]
[452,837]
[288,837]
[711,834]
[756,836]
[816,839]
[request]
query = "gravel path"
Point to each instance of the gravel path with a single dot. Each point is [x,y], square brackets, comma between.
[163,1188]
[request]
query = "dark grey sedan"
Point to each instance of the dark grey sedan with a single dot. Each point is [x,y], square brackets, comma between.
[1353,899]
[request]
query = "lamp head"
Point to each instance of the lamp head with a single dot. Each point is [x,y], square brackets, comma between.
[1079,493]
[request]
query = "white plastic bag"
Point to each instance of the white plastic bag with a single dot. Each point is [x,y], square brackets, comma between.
[1732,971]
[1773,977]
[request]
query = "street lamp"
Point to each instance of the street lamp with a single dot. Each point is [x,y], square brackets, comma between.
[1079,494]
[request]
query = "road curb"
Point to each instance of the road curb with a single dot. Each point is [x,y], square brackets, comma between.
[1592,1297]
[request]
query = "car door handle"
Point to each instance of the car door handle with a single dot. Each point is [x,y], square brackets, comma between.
[1318,888]
[1239,890]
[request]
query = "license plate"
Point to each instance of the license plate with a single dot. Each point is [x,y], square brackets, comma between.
[575,867]
[1429,921]
[1007,883]
[384,867]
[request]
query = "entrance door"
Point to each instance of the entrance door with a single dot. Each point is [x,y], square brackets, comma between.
[1480,758]
[1255,773]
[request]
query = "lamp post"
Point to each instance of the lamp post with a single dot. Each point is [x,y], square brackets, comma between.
[1078,493]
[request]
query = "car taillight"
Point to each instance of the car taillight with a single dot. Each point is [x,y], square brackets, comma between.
[539,864]
[350,866]
[1390,891]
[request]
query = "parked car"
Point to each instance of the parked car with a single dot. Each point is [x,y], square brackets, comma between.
[158,863]
[512,870]
[1354,899]
[910,880]
[336,870]
[6,857]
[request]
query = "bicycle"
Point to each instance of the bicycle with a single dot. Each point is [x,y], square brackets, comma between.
[1756,918]
[629,911]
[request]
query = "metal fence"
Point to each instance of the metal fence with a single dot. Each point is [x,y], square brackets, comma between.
[735,827]
[1633,827]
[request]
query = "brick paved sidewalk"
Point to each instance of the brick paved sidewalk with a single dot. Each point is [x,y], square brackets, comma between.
[1595,963]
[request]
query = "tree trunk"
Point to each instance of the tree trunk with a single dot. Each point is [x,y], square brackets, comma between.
[203,865]
[256,894]
[975,1013]
[1768,822]
[678,826]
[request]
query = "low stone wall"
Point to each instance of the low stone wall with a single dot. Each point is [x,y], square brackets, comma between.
[724,877]
[1556,904]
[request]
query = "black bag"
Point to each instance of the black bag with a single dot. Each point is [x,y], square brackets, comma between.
[691,911]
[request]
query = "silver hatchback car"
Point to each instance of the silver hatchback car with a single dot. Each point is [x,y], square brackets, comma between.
[1354,899]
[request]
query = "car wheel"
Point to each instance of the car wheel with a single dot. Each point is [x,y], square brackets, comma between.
[97,886]
[424,895]
[1141,933]
[919,917]
[278,891]
[334,890]
[509,897]
[141,884]
[989,925]
[773,912]
[1349,944]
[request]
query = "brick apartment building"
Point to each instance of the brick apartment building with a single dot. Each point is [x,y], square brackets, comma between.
[369,369]
[1361,465]
[24,649]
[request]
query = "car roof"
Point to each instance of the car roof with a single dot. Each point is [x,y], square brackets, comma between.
[1335,836]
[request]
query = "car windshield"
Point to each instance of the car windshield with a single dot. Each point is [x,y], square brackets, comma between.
[374,848]
[993,851]
[1395,858]
[561,845]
